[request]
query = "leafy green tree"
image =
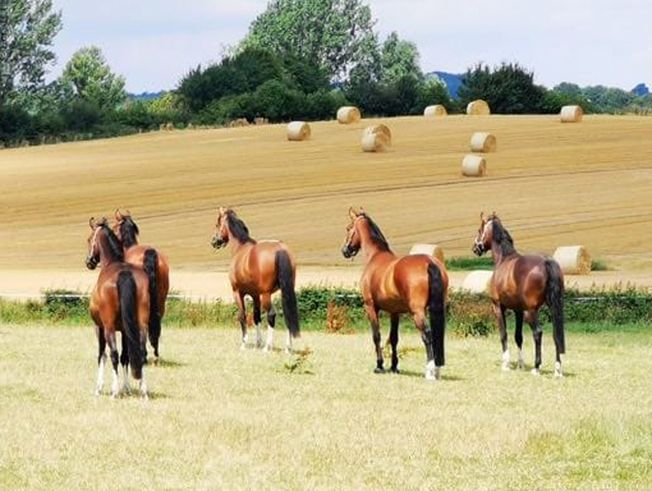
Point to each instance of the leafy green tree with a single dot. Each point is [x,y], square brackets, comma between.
[27,28]
[608,99]
[88,77]
[569,89]
[398,58]
[334,33]
[508,88]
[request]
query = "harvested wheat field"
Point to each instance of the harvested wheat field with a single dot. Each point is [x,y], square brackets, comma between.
[552,184]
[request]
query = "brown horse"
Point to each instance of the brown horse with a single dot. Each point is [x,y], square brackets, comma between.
[522,284]
[154,263]
[119,302]
[258,269]
[398,285]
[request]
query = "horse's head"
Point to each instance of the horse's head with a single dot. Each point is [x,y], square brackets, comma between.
[221,237]
[125,228]
[352,242]
[93,256]
[484,238]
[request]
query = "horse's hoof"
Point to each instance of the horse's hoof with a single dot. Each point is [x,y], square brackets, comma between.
[431,376]
[536,372]
[506,368]
[267,349]
[243,347]
[379,370]
[521,365]
[394,370]
[98,392]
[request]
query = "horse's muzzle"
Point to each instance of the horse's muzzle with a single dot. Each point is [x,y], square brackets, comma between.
[91,262]
[217,242]
[348,251]
[478,249]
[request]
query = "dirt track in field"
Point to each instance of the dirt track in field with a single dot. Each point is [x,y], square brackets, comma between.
[553,184]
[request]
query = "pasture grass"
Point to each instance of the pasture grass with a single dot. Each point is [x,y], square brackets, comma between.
[219,418]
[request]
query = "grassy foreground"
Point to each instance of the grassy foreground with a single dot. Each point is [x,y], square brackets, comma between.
[224,419]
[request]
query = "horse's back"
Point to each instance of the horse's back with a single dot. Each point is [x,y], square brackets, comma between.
[520,283]
[254,271]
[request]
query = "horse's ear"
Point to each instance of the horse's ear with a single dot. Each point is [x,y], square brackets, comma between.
[118,215]
[91,223]
[221,211]
[352,214]
[482,216]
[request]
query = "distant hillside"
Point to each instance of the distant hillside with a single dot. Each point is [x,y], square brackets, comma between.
[641,90]
[453,81]
[146,96]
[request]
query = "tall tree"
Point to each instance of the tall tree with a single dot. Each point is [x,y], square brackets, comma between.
[27,28]
[88,77]
[333,33]
[398,58]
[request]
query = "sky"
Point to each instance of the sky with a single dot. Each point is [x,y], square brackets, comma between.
[153,43]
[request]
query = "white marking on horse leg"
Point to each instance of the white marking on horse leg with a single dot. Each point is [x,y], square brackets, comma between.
[143,386]
[430,370]
[259,336]
[245,338]
[288,346]
[115,384]
[100,375]
[558,372]
[521,360]
[506,366]
[536,372]
[269,345]
[126,388]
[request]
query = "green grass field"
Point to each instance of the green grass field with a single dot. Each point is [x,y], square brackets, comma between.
[219,418]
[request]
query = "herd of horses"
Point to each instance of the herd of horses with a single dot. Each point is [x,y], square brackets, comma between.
[133,283]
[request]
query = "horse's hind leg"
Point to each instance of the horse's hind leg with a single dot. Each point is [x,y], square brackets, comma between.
[372,314]
[124,362]
[393,339]
[242,317]
[113,348]
[518,337]
[268,307]
[101,360]
[499,311]
[257,321]
[432,372]
[537,334]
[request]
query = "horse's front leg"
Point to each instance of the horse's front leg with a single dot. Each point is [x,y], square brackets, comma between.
[271,320]
[257,321]
[499,311]
[419,317]
[242,316]
[101,359]
[393,339]
[372,314]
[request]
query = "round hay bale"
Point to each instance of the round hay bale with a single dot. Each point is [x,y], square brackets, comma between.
[477,281]
[435,111]
[348,115]
[573,259]
[483,142]
[571,114]
[429,250]
[478,108]
[376,138]
[298,131]
[474,166]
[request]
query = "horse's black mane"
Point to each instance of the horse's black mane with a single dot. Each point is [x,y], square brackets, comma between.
[115,247]
[502,238]
[238,228]
[129,232]
[376,235]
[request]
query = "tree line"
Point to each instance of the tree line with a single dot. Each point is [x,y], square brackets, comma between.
[301,59]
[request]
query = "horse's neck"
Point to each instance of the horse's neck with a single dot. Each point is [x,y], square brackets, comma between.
[106,254]
[237,247]
[497,253]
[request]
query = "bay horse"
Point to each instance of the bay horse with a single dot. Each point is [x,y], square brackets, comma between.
[258,269]
[154,263]
[522,284]
[398,285]
[119,302]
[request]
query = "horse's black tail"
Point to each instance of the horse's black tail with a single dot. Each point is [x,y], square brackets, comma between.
[437,311]
[128,307]
[285,276]
[150,265]
[555,301]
